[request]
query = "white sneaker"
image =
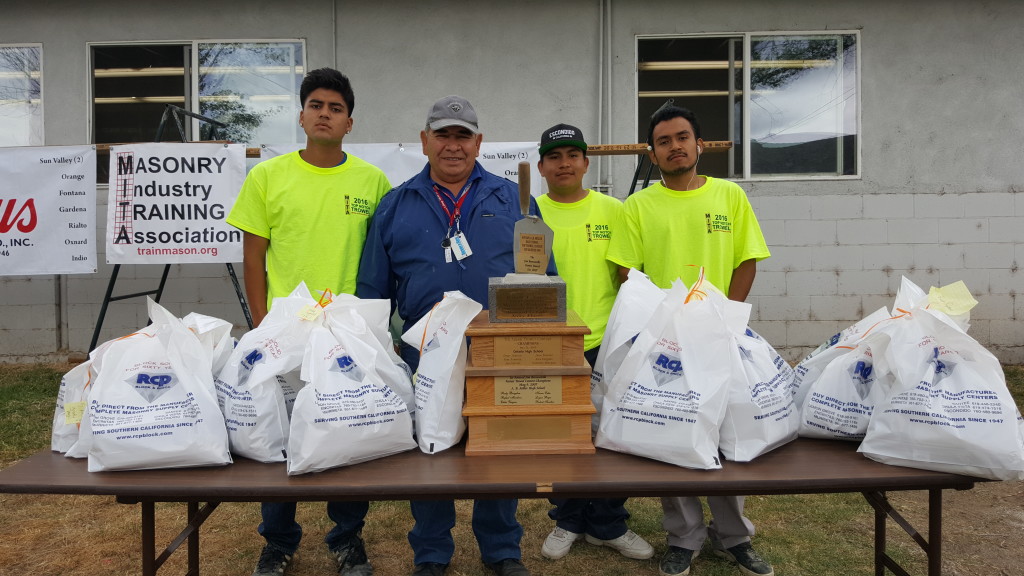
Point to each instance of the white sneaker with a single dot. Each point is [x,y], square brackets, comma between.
[558,543]
[630,545]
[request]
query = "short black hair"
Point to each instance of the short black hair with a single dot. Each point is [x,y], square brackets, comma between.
[668,113]
[330,79]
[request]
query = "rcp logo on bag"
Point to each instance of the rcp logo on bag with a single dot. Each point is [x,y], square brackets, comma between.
[861,374]
[152,385]
[347,366]
[248,362]
[943,368]
[434,344]
[665,368]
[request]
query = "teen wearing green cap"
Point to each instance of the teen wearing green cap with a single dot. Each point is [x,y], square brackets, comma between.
[583,222]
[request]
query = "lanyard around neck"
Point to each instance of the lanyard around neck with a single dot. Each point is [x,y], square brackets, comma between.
[453,216]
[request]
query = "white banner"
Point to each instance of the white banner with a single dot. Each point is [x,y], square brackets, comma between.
[168,203]
[403,161]
[48,210]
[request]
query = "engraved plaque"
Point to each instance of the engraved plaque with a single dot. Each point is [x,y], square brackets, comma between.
[527,303]
[532,254]
[531,428]
[527,390]
[527,351]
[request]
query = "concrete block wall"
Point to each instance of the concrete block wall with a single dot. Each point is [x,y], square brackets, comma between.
[837,258]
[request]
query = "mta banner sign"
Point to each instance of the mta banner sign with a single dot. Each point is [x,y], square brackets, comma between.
[47,210]
[167,203]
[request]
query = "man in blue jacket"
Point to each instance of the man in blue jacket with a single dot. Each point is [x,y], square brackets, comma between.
[448,228]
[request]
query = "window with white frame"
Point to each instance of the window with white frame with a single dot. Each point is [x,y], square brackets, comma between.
[21,95]
[788,102]
[251,89]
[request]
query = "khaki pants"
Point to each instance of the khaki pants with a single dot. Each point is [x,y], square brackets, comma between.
[684,521]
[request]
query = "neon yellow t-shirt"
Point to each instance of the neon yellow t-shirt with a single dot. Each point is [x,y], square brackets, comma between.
[583,231]
[670,234]
[315,218]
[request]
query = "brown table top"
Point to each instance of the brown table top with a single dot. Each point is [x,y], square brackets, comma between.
[801,467]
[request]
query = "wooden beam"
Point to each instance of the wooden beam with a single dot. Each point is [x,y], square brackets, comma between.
[593,150]
[627,149]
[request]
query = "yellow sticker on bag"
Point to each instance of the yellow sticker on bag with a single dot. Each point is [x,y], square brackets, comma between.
[73,412]
[310,312]
[953,299]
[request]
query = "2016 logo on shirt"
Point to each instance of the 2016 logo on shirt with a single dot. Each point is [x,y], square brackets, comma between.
[718,223]
[598,232]
[359,206]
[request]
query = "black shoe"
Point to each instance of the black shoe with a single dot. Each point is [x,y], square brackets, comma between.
[676,561]
[749,561]
[351,558]
[508,567]
[272,562]
[429,569]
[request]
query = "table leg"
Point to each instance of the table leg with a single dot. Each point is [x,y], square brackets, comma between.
[148,539]
[935,532]
[880,536]
[932,547]
[193,540]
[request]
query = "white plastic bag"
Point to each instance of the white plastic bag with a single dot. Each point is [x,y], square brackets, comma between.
[215,335]
[840,402]
[71,405]
[949,408]
[373,330]
[440,379]
[345,414]
[635,303]
[668,398]
[808,370]
[257,386]
[153,404]
[761,414]
[377,313]
[80,446]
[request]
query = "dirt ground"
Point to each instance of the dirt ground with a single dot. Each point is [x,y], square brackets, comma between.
[983,528]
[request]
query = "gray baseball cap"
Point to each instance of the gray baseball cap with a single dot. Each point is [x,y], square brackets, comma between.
[453,111]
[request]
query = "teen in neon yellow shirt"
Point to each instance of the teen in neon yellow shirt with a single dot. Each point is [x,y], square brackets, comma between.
[305,217]
[671,230]
[584,222]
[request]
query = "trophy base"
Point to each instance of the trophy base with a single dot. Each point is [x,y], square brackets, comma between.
[528,388]
[526,298]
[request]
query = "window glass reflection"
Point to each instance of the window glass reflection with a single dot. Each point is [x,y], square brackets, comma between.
[803,105]
[21,102]
[251,87]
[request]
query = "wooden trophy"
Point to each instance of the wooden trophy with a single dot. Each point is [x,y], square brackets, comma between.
[527,382]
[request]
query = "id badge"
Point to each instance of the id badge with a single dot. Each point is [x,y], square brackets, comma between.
[460,246]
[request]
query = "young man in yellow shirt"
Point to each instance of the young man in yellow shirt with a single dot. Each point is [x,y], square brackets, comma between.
[305,215]
[583,222]
[672,229]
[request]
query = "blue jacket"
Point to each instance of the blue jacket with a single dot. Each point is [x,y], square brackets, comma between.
[403,259]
